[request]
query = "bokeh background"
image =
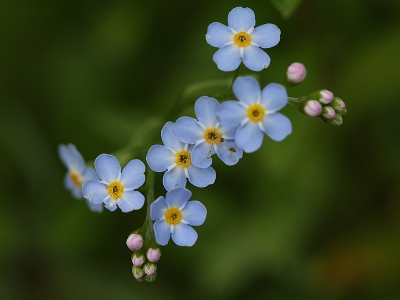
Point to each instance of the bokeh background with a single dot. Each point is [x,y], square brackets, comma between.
[316,216]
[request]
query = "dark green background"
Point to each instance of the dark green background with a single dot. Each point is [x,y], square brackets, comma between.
[316,216]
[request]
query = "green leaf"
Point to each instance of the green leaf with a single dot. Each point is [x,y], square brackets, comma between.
[286,7]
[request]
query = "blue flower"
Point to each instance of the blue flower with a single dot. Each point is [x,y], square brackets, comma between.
[78,174]
[175,158]
[174,215]
[116,187]
[241,41]
[255,113]
[207,135]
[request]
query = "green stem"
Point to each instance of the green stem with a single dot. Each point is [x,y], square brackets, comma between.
[235,75]
[148,223]
[294,101]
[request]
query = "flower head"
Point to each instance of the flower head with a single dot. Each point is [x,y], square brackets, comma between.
[174,215]
[241,41]
[78,174]
[116,187]
[255,113]
[175,158]
[207,135]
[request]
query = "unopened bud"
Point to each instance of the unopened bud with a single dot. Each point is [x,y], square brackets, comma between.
[151,278]
[296,73]
[149,268]
[312,108]
[339,106]
[153,254]
[336,121]
[323,96]
[135,241]
[138,258]
[328,112]
[137,272]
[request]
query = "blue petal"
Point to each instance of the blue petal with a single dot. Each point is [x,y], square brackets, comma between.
[194,213]
[162,232]
[158,208]
[184,235]
[274,97]
[241,19]
[229,152]
[247,90]
[227,58]
[131,201]
[94,207]
[228,132]
[110,207]
[71,157]
[206,109]
[168,137]
[277,126]
[218,34]
[249,137]
[201,155]
[255,59]
[178,197]
[231,113]
[75,190]
[159,158]
[89,175]
[133,174]
[108,167]
[95,192]
[201,177]
[188,130]
[173,178]
[267,35]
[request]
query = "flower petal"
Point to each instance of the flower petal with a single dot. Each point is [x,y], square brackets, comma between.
[95,192]
[71,157]
[178,197]
[218,34]
[188,130]
[206,109]
[194,213]
[228,132]
[184,235]
[131,201]
[159,158]
[133,174]
[75,190]
[201,177]
[227,58]
[247,90]
[110,207]
[168,137]
[277,126]
[229,152]
[274,97]
[108,167]
[231,113]
[201,155]
[94,207]
[173,178]
[255,59]
[267,35]
[249,137]
[162,232]
[157,208]
[241,19]
[89,175]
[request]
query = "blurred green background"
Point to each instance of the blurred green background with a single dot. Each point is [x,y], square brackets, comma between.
[316,216]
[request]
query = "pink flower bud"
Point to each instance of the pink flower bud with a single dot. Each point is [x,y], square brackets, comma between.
[338,104]
[153,255]
[134,241]
[326,96]
[296,72]
[138,259]
[328,112]
[313,108]
[336,121]
[137,272]
[149,268]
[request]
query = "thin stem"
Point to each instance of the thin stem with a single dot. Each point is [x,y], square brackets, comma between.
[148,223]
[294,101]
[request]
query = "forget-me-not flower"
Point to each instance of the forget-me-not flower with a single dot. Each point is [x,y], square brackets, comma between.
[116,188]
[175,158]
[241,41]
[255,113]
[174,215]
[207,135]
[78,174]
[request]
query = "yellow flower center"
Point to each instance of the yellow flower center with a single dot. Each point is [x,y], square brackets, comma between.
[255,113]
[76,178]
[212,136]
[173,216]
[242,39]
[182,158]
[115,189]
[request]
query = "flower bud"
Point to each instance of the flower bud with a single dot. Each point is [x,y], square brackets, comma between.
[339,106]
[336,121]
[323,96]
[328,112]
[135,240]
[296,73]
[151,278]
[138,258]
[137,272]
[153,253]
[311,108]
[150,268]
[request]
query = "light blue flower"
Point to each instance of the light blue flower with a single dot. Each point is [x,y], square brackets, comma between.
[255,113]
[241,41]
[175,159]
[207,135]
[116,187]
[78,174]
[174,215]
